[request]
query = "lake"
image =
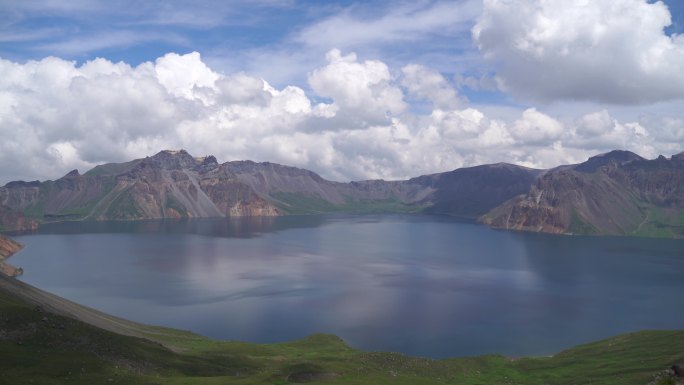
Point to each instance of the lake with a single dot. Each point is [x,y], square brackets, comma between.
[422,285]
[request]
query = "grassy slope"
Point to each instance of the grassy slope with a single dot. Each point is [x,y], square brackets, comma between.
[292,203]
[661,222]
[41,347]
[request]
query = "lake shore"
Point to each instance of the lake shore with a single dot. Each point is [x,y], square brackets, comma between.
[9,247]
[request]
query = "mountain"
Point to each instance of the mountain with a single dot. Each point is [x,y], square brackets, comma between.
[472,191]
[174,184]
[617,193]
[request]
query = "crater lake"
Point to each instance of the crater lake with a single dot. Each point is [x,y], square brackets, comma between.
[421,285]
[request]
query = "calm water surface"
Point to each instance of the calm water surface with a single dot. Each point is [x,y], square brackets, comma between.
[421,285]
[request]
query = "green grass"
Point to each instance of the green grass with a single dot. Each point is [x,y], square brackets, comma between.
[38,347]
[123,207]
[298,204]
[78,211]
[35,210]
[662,223]
[580,226]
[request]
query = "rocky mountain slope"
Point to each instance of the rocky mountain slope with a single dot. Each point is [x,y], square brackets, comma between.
[617,193]
[174,184]
[7,248]
[15,220]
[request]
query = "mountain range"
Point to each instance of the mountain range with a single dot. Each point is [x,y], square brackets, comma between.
[618,193]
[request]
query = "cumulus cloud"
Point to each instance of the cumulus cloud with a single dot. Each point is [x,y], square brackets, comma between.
[56,115]
[427,84]
[606,51]
[362,89]
[183,75]
[600,129]
[535,127]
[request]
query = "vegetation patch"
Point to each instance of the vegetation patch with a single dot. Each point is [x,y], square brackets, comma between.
[123,207]
[293,203]
[580,226]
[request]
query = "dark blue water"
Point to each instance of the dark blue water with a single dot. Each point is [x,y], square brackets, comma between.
[425,286]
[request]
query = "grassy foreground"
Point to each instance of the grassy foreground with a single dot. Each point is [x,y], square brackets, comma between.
[40,346]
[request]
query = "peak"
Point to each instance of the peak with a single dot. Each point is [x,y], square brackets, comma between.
[619,155]
[679,156]
[511,166]
[180,160]
[615,157]
[209,159]
[72,173]
[172,160]
[180,152]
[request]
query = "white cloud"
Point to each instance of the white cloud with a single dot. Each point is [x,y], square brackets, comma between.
[405,22]
[362,89]
[56,115]
[607,51]
[599,130]
[182,75]
[427,84]
[536,128]
[89,43]
[242,89]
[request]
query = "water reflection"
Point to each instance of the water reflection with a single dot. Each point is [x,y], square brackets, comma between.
[234,227]
[421,285]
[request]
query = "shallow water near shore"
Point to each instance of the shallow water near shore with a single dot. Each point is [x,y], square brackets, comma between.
[421,285]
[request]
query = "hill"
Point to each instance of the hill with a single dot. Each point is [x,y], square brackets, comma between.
[617,193]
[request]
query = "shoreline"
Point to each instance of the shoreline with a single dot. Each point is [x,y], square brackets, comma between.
[9,247]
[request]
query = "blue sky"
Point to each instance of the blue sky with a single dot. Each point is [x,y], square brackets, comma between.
[353,90]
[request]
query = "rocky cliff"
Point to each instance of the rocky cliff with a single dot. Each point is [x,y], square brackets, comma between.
[15,220]
[617,193]
[170,184]
[174,184]
[7,248]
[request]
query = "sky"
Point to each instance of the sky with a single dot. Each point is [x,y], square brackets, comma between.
[350,90]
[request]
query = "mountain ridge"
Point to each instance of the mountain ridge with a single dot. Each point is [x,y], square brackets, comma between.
[174,184]
[615,193]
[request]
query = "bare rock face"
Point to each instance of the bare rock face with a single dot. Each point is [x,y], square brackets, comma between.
[234,198]
[11,220]
[618,193]
[170,184]
[7,248]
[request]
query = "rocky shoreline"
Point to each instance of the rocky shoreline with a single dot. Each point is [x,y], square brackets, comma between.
[7,248]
